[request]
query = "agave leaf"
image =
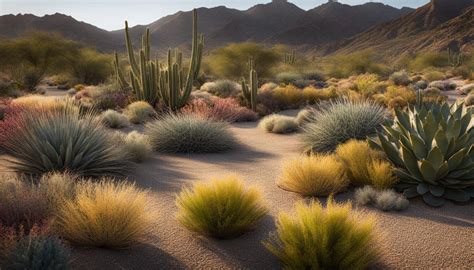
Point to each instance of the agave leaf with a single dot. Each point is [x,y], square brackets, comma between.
[457,195]
[48,165]
[443,171]
[406,177]
[419,127]
[436,157]
[455,160]
[433,201]
[457,173]
[391,152]
[403,119]
[411,162]
[468,176]
[437,191]
[374,144]
[418,146]
[428,171]
[411,192]
[442,142]
[465,121]
[454,131]
[422,188]
[430,127]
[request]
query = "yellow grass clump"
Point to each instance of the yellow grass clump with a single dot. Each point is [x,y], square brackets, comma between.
[381,174]
[313,95]
[105,214]
[335,237]
[40,102]
[221,208]
[289,96]
[315,175]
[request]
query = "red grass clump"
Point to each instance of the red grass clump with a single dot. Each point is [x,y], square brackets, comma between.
[220,109]
[10,236]
[11,122]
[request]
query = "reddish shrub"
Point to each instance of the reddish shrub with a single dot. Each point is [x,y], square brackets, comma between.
[11,122]
[10,236]
[221,109]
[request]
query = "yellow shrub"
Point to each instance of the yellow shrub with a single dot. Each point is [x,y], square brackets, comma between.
[289,96]
[402,95]
[314,176]
[381,174]
[313,95]
[335,237]
[105,214]
[221,208]
[42,102]
[367,84]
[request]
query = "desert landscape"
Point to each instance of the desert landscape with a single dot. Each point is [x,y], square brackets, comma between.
[275,137]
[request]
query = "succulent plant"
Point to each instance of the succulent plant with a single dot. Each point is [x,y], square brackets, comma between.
[432,147]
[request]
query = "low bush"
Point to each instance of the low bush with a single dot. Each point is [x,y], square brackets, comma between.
[367,84]
[137,146]
[312,95]
[220,110]
[341,121]
[11,236]
[433,75]
[314,176]
[268,87]
[140,112]
[221,208]
[105,214]
[386,200]
[65,140]
[314,75]
[38,253]
[12,122]
[38,101]
[400,78]
[381,174]
[267,103]
[109,97]
[278,124]
[288,77]
[428,61]
[398,97]
[289,97]
[222,88]
[335,237]
[305,116]
[189,134]
[57,188]
[114,119]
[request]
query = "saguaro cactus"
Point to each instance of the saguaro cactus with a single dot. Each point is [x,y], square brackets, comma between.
[151,80]
[250,91]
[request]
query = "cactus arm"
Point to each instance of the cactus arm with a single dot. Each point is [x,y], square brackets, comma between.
[119,73]
[131,56]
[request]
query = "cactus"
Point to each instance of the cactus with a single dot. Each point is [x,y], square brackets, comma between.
[455,59]
[250,91]
[290,58]
[432,147]
[151,80]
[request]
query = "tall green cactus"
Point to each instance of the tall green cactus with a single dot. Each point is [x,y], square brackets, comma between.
[151,80]
[290,58]
[250,91]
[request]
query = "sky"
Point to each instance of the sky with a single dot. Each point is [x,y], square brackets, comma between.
[111,14]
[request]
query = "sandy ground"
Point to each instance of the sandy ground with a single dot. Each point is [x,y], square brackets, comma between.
[418,238]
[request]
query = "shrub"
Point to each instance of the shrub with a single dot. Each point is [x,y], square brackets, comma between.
[367,84]
[109,96]
[314,176]
[10,237]
[433,75]
[288,77]
[57,188]
[188,133]
[38,101]
[138,146]
[325,238]
[139,112]
[90,67]
[114,119]
[105,214]
[21,205]
[222,208]
[305,116]
[267,103]
[399,96]
[220,110]
[356,63]
[381,174]
[12,122]
[314,75]
[288,96]
[341,121]
[222,88]
[64,140]
[313,95]
[38,254]
[400,78]
[278,124]
[421,84]
[386,200]
[268,87]
[428,60]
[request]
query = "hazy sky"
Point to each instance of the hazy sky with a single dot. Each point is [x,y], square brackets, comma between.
[111,14]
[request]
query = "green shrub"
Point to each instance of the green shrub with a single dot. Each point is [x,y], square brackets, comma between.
[367,84]
[428,60]
[433,75]
[400,78]
[138,146]
[90,67]
[140,112]
[278,124]
[314,176]
[189,133]
[341,121]
[114,119]
[38,253]
[356,63]
[385,200]
[222,208]
[222,88]
[105,214]
[334,237]
[62,139]
[288,77]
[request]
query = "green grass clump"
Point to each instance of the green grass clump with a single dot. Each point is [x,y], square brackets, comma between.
[222,88]
[342,121]
[139,112]
[138,146]
[114,119]
[314,176]
[189,134]
[288,77]
[400,78]
[64,140]
[335,237]
[104,214]
[278,124]
[39,253]
[221,208]
[385,200]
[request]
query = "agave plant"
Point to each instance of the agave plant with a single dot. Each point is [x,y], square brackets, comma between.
[432,147]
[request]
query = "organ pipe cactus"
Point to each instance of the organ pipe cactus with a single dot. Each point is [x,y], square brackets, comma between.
[250,90]
[151,80]
[432,147]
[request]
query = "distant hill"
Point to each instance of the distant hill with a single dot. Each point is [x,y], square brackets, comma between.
[276,22]
[433,27]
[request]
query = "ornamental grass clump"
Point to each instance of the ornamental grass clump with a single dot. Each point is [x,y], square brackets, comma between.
[63,139]
[341,121]
[105,214]
[279,124]
[314,176]
[137,146]
[222,208]
[189,134]
[114,119]
[139,112]
[331,237]
[385,200]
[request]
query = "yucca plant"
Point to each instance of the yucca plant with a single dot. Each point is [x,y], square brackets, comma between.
[63,139]
[432,147]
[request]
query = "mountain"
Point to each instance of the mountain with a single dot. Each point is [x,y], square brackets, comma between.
[432,27]
[277,22]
